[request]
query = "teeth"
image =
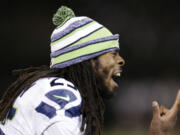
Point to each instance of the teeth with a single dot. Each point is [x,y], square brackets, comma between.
[118,74]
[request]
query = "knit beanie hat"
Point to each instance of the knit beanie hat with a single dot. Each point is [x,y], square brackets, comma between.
[77,39]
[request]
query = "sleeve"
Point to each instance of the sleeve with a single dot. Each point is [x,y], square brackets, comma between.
[58,111]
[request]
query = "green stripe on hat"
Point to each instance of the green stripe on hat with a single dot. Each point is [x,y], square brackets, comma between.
[85,51]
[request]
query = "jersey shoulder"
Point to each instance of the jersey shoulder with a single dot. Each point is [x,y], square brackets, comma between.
[61,94]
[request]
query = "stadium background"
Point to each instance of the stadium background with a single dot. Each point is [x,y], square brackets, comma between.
[150,43]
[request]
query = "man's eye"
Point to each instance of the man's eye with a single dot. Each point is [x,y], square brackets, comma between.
[114,54]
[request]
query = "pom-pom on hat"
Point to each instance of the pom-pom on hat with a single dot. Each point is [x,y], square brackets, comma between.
[77,39]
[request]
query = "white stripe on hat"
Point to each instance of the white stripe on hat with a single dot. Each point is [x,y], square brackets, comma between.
[75,37]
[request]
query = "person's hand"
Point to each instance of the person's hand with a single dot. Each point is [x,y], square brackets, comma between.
[164,119]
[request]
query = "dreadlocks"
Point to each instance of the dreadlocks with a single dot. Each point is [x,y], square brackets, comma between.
[83,77]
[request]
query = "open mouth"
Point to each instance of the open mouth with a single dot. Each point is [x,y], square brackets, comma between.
[115,78]
[117,73]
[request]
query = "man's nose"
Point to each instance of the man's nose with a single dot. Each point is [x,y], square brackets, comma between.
[121,61]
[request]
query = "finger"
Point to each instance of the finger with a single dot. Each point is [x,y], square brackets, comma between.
[176,106]
[156,111]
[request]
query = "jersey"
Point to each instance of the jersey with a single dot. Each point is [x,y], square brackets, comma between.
[51,106]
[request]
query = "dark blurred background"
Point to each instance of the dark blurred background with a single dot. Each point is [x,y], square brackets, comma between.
[150,43]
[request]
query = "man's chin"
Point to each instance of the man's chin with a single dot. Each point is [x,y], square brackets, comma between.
[104,90]
[107,95]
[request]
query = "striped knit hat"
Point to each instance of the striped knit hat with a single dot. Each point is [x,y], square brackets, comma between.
[77,39]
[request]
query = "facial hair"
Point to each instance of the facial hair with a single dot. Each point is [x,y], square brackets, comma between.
[104,91]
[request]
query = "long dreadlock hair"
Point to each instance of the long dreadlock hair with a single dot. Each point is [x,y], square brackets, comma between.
[82,75]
